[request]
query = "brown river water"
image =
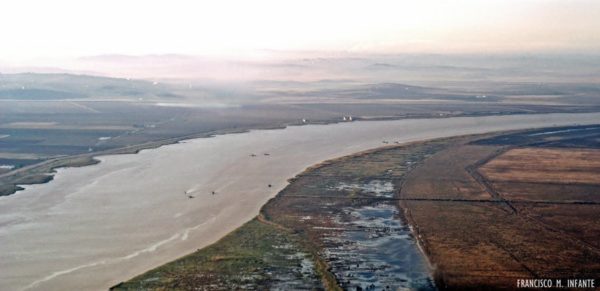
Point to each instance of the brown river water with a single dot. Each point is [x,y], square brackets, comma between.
[95,226]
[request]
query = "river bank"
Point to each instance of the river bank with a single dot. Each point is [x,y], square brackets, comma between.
[44,171]
[95,220]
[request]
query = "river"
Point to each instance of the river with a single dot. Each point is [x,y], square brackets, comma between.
[95,226]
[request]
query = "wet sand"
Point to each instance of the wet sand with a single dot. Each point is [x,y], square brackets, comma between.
[95,226]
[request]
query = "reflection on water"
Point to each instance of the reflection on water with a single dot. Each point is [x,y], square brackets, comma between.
[375,250]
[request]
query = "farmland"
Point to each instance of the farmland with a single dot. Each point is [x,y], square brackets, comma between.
[520,205]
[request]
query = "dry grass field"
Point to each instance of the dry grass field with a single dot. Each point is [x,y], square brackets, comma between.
[444,175]
[494,213]
[543,165]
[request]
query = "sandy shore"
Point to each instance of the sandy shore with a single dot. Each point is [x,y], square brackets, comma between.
[95,226]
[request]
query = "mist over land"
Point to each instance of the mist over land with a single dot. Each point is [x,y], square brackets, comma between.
[162,146]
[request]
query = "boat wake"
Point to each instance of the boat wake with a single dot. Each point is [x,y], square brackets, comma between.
[152,248]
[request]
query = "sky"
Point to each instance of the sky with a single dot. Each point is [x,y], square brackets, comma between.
[32,29]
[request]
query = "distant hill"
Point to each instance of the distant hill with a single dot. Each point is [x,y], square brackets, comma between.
[34,86]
